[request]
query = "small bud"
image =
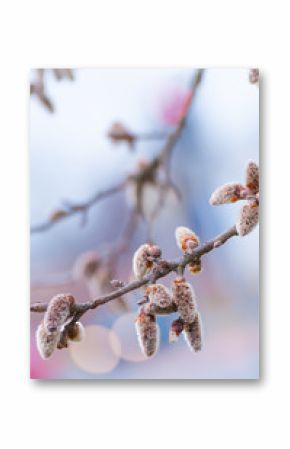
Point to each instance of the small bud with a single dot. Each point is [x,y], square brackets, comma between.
[252,177]
[186,239]
[175,330]
[254,76]
[248,219]
[45,342]
[147,333]
[193,333]
[195,267]
[86,265]
[141,264]
[158,294]
[184,298]
[76,331]
[119,133]
[58,311]
[228,193]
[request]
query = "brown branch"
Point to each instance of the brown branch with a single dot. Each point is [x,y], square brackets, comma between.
[146,173]
[162,269]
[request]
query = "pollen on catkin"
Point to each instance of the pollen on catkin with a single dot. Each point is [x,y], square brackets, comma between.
[248,219]
[141,264]
[175,330]
[186,239]
[184,298]
[76,331]
[158,294]
[227,193]
[147,333]
[193,333]
[58,311]
[46,342]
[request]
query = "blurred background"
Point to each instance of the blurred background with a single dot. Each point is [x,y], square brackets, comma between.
[72,157]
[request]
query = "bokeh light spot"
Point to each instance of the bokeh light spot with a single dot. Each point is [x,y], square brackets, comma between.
[98,352]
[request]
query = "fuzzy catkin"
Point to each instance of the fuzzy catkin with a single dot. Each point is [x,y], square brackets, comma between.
[227,193]
[248,219]
[184,298]
[193,333]
[158,294]
[186,239]
[252,177]
[147,333]
[141,264]
[58,311]
[195,267]
[46,342]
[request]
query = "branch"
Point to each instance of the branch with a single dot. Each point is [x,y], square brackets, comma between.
[162,269]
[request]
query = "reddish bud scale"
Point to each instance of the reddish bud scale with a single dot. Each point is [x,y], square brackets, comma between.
[58,311]
[193,333]
[175,330]
[184,298]
[147,333]
[76,331]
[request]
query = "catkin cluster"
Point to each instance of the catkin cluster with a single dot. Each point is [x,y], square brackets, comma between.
[230,193]
[159,299]
[55,330]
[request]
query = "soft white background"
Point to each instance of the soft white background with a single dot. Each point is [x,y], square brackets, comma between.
[138,415]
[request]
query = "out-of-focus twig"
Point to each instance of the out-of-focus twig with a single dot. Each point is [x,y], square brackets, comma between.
[147,173]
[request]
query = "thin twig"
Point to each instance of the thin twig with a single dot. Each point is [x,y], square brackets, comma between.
[78,208]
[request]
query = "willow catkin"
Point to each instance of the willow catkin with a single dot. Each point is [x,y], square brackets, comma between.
[147,333]
[184,298]
[46,342]
[58,311]
[193,333]
[141,264]
[227,193]
[158,294]
[175,329]
[248,219]
[76,331]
